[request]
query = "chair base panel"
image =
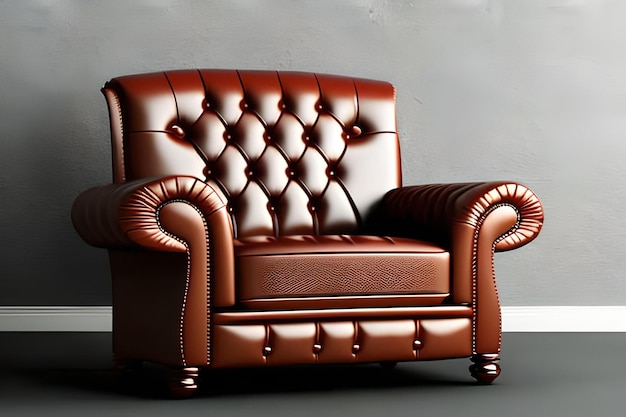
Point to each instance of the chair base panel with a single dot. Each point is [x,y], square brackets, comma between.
[340,341]
[244,340]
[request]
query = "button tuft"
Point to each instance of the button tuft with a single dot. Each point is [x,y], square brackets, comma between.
[177,131]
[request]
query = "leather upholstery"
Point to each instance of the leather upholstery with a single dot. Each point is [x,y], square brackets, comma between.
[318,269]
[342,342]
[295,153]
[258,218]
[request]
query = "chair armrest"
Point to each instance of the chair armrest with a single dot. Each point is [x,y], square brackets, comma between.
[128,214]
[171,214]
[473,220]
[433,210]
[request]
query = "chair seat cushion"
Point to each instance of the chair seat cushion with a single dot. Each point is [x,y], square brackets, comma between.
[306,271]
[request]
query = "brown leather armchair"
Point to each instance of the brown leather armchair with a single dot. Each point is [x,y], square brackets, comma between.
[257,218]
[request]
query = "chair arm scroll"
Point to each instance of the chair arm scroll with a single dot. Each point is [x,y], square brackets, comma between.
[473,220]
[128,215]
[435,210]
[171,214]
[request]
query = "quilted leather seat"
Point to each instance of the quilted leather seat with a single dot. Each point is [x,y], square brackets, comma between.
[258,218]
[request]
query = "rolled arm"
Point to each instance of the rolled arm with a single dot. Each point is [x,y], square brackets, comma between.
[171,214]
[127,214]
[473,220]
[434,210]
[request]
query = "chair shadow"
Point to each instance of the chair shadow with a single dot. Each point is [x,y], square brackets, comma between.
[229,382]
[81,363]
[151,381]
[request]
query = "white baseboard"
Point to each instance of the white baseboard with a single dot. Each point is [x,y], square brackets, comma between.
[514,319]
[564,319]
[55,319]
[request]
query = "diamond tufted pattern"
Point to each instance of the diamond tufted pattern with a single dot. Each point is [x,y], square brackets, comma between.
[237,129]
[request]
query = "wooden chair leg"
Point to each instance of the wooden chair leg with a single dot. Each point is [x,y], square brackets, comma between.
[184,382]
[485,368]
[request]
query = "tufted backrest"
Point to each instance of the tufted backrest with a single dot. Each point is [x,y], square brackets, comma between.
[293,152]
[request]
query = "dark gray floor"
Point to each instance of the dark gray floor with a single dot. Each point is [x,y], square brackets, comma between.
[543,374]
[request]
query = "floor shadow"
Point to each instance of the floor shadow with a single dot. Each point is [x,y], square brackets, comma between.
[151,381]
[81,363]
[229,382]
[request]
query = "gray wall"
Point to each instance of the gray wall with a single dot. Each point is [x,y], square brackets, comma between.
[533,91]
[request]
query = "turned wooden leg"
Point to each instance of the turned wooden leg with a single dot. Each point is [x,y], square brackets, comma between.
[184,382]
[485,367]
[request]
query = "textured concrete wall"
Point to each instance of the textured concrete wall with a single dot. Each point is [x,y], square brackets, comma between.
[532,91]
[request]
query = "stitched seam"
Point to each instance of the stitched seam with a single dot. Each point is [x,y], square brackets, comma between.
[188,278]
[356,340]
[122,139]
[493,267]
[209,278]
[475,268]
[317,341]
[167,78]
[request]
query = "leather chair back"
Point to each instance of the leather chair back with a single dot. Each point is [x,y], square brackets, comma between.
[293,152]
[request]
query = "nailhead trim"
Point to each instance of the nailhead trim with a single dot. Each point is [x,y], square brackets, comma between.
[118,106]
[475,268]
[188,279]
